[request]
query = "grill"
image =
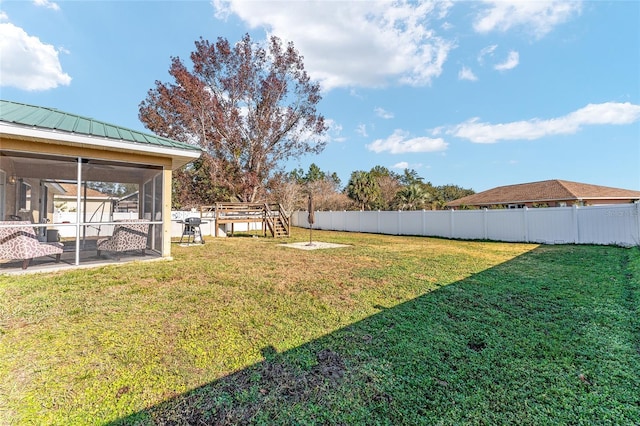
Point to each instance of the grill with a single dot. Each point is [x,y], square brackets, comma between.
[191,230]
[193,221]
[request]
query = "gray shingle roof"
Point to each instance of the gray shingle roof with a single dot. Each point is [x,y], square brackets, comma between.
[53,119]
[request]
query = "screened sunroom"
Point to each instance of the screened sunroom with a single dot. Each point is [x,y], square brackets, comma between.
[61,178]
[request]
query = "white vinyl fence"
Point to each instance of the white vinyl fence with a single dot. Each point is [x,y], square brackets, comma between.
[65,224]
[608,224]
[91,230]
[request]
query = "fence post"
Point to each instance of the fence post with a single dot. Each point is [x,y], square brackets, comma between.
[485,218]
[637,237]
[576,225]
[525,224]
[424,222]
[451,227]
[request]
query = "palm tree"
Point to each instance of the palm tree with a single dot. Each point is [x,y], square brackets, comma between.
[413,197]
[363,189]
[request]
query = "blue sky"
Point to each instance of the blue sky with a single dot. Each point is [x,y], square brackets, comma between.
[477,94]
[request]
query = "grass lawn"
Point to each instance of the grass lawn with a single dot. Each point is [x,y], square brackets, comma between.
[390,330]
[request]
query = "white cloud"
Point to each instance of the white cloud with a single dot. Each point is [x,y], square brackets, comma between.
[393,42]
[400,143]
[380,112]
[27,63]
[46,3]
[608,113]
[3,16]
[405,165]
[466,74]
[539,17]
[486,51]
[401,165]
[334,133]
[362,130]
[510,63]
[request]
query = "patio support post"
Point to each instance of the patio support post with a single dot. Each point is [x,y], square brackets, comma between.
[78,216]
[166,211]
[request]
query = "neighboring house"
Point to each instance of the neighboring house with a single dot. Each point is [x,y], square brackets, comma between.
[41,147]
[94,203]
[548,193]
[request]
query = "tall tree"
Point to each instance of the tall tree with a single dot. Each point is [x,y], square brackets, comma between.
[388,185]
[379,171]
[452,192]
[192,186]
[409,177]
[250,107]
[288,192]
[314,174]
[363,189]
[413,197]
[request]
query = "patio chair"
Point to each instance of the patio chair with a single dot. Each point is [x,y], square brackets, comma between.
[19,242]
[127,235]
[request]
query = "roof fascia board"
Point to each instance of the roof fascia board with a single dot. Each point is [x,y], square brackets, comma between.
[491,203]
[559,199]
[452,204]
[96,141]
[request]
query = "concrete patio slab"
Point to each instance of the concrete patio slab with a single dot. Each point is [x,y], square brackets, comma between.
[314,245]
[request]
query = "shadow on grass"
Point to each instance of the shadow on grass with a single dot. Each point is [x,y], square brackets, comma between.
[526,342]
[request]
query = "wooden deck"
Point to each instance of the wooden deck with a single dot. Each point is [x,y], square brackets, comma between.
[272,216]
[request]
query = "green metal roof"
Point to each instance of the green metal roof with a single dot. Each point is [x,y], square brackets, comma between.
[53,119]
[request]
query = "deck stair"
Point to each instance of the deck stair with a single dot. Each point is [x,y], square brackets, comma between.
[277,221]
[272,216]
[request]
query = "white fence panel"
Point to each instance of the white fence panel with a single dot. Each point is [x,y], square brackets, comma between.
[339,221]
[388,223]
[438,223]
[320,221]
[352,221]
[614,224]
[468,225]
[410,222]
[369,222]
[506,225]
[69,231]
[551,226]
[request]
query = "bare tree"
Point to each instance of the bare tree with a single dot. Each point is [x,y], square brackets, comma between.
[289,194]
[250,107]
[389,187]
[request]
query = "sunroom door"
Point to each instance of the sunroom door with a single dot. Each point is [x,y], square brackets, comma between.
[152,209]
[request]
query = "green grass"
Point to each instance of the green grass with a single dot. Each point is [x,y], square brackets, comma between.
[391,330]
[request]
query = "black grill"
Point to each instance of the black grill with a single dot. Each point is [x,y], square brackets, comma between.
[192,221]
[191,230]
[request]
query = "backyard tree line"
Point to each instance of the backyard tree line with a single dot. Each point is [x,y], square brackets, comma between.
[251,107]
[376,189]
